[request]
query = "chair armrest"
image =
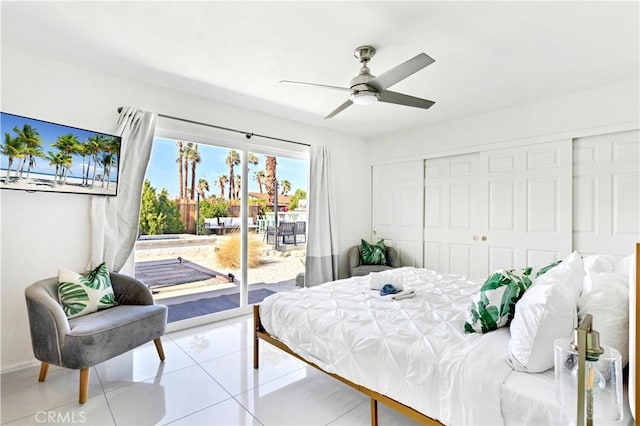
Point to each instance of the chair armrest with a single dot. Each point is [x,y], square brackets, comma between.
[354,257]
[130,291]
[393,259]
[47,321]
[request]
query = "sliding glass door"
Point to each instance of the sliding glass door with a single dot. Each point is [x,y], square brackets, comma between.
[222,225]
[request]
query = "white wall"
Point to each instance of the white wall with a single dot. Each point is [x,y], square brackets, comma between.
[42,231]
[603,110]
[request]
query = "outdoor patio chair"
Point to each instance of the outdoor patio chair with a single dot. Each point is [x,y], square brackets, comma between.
[84,341]
[286,231]
[300,232]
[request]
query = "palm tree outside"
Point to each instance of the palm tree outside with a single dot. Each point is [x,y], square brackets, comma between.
[180,172]
[270,180]
[259,178]
[221,182]
[187,155]
[194,157]
[203,187]
[286,186]
[232,160]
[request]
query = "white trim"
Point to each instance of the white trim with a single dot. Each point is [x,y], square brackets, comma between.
[511,143]
[179,130]
[208,319]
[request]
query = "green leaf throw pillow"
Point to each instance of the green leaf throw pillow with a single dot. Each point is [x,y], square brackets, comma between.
[544,269]
[83,294]
[495,304]
[373,254]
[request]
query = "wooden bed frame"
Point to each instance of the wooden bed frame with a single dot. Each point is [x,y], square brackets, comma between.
[260,333]
[637,341]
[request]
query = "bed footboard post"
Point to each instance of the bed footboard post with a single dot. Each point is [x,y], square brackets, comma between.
[374,412]
[256,327]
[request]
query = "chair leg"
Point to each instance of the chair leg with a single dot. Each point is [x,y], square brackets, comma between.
[44,368]
[84,385]
[159,348]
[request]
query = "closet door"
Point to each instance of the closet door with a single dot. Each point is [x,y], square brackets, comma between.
[529,203]
[606,194]
[454,215]
[505,208]
[396,208]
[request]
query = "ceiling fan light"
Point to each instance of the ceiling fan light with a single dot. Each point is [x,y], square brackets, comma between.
[364,97]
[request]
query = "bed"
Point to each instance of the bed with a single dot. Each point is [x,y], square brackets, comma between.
[413,354]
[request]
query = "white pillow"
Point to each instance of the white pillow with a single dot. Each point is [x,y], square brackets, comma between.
[546,312]
[605,295]
[600,262]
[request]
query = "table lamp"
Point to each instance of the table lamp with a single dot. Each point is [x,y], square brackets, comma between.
[589,376]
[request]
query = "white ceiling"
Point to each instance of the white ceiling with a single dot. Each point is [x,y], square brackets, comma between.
[489,55]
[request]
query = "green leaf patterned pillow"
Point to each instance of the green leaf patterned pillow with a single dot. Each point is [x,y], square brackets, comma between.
[373,254]
[83,294]
[544,269]
[495,304]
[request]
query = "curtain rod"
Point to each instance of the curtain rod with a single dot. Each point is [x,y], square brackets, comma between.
[248,135]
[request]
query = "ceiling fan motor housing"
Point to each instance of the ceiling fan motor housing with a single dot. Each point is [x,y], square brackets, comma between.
[363,54]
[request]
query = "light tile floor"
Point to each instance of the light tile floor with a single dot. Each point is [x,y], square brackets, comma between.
[206,379]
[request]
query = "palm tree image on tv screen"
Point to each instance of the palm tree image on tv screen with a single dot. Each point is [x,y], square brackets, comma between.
[42,156]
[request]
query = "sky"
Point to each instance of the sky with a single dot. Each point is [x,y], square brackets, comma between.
[49,133]
[163,168]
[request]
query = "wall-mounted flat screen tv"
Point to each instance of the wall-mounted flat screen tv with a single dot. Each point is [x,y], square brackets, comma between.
[38,155]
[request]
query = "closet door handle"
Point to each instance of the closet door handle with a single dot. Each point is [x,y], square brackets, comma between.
[484,238]
[475,238]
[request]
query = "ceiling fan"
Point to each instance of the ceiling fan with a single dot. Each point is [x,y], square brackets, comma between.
[366,88]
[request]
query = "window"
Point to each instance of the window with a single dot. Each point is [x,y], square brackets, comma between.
[188,250]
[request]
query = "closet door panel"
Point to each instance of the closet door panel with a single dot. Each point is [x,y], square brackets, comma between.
[541,257]
[502,206]
[501,256]
[460,259]
[606,193]
[529,200]
[584,204]
[397,209]
[453,217]
[433,256]
[543,201]
[625,195]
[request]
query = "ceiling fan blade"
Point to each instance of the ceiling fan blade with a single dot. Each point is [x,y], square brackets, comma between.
[340,108]
[401,99]
[400,72]
[302,83]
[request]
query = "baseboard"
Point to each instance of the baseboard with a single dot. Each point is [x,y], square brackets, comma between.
[19,366]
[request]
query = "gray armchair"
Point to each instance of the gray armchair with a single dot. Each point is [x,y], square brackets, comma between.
[82,342]
[357,268]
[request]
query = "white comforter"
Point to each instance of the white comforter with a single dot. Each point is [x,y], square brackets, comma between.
[412,350]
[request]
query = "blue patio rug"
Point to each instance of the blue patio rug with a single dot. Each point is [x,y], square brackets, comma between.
[210,305]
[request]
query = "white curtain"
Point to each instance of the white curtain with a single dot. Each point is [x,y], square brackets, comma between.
[322,249]
[114,220]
